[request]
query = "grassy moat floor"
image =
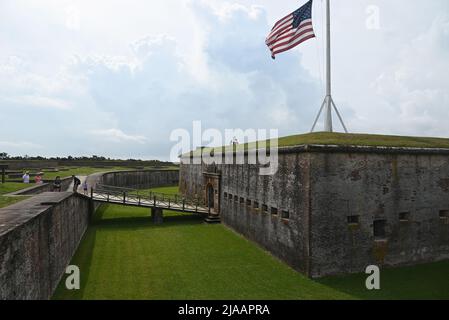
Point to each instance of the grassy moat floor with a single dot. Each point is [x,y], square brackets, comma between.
[124,256]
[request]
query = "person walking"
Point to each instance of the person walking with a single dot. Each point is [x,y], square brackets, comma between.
[38,178]
[26,177]
[57,184]
[85,187]
[76,183]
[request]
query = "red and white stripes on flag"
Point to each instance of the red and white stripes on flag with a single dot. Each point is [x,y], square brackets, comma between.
[291,30]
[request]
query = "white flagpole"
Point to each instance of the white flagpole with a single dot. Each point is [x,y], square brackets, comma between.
[328,98]
[328,101]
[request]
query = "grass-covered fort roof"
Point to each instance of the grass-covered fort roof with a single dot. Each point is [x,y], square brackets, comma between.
[345,139]
[372,140]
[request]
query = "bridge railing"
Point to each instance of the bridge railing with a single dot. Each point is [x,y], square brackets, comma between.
[146,198]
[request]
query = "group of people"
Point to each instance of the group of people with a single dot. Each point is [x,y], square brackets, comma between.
[37,178]
[57,184]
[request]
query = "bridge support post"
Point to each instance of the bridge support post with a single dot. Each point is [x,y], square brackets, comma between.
[157,215]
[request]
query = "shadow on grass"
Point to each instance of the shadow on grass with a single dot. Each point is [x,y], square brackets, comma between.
[82,259]
[421,282]
[145,222]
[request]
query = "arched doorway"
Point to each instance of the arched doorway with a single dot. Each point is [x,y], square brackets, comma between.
[210,193]
[210,197]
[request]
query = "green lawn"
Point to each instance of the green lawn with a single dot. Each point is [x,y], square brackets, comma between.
[124,256]
[11,187]
[428,281]
[170,192]
[166,190]
[343,139]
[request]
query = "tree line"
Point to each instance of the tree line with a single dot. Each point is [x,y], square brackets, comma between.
[94,158]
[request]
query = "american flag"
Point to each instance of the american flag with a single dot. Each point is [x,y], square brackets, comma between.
[291,30]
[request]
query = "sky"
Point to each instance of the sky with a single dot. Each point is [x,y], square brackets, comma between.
[115,78]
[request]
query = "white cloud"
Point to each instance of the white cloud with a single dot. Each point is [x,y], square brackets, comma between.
[73,18]
[19,145]
[414,85]
[116,135]
[39,102]
[152,75]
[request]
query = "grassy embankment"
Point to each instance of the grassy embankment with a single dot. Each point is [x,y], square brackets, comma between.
[124,256]
[343,139]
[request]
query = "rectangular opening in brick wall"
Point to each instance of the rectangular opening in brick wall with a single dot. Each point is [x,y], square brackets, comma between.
[285,214]
[274,211]
[236,199]
[353,220]
[444,214]
[404,216]
[225,195]
[256,205]
[379,229]
[264,208]
[230,197]
[248,202]
[242,200]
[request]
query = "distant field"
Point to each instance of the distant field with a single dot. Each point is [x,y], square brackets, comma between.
[84,171]
[124,256]
[80,171]
[9,186]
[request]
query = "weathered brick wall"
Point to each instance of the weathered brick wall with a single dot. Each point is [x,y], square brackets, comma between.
[377,186]
[191,180]
[321,187]
[143,179]
[284,191]
[38,238]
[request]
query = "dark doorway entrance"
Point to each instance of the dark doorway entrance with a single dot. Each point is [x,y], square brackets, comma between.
[210,197]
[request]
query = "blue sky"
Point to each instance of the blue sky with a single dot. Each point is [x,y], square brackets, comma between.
[114,78]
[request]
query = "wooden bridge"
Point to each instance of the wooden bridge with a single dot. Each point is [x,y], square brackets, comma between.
[135,197]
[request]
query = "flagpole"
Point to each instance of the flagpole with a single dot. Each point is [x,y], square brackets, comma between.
[328,102]
[328,98]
